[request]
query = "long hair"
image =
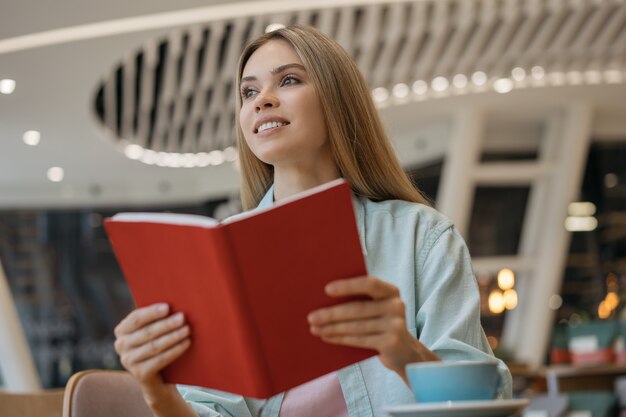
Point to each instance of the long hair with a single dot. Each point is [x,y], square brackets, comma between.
[361,149]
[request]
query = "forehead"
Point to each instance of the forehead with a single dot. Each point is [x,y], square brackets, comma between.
[269,56]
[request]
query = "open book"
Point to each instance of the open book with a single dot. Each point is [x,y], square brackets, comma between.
[246,286]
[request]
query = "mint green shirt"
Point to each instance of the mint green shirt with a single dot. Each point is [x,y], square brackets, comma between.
[417,249]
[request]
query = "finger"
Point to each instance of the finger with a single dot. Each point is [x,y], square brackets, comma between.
[140,317]
[157,346]
[156,363]
[367,285]
[152,331]
[357,310]
[357,327]
[364,341]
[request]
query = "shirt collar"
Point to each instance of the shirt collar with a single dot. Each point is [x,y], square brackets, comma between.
[268,198]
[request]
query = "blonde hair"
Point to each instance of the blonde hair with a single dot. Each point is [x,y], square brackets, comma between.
[362,150]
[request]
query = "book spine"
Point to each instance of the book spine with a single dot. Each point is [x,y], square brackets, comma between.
[253,358]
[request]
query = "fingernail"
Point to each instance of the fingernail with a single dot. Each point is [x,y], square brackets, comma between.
[162,308]
[312,317]
[330,288]
[179,316]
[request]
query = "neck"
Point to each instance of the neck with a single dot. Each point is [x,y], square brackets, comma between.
[295,179]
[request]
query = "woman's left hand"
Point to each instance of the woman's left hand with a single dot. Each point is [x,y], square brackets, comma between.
[377,324]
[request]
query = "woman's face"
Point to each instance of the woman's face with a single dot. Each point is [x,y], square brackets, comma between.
[281,116]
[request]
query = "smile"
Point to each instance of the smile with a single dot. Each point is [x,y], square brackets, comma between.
[270,125]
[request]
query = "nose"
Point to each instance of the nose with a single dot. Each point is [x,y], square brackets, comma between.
[266,100]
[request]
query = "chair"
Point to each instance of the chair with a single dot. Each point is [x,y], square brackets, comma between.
[48,403]
[99,393]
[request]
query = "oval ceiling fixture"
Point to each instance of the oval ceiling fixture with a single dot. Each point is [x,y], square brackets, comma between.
[174,97]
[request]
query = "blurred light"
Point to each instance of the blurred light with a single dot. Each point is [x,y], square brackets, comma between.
[459,81]
[496,302]
[31,137]
[479,78]
[593,77]
[581,224]
[188,160]
[216,157]
[518,73]
[230,153]
[575,77]
[611,300]
[55,174]
[537,72]
[149,157]
[400,90]
[493,342]
[273,26]
[420,87]
[581,209]
[611,180]
[440,84]
[506,279]
[161,159]
[204,160]
[172,160]
[7,86]
[555,302]
[510,299]
[380,94]
[133,151]
[603,311]
[503,85]
[613,76]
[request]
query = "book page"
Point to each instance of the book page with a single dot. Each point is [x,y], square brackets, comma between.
[167,218]
[288,200]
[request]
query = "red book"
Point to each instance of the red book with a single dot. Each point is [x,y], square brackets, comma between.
[246,287]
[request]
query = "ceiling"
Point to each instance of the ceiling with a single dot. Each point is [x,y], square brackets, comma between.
[58,72]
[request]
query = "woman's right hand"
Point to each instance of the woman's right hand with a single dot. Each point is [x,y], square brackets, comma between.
[148,340]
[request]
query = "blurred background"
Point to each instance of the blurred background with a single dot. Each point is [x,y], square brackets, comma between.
[509,114]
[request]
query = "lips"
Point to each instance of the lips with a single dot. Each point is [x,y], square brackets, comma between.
[267,123]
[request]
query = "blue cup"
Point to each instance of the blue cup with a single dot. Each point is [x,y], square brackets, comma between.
[453,381]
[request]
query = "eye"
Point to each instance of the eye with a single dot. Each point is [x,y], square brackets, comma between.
[247,92]
[290,79]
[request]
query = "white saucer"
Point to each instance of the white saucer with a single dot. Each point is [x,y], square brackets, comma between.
[493,408]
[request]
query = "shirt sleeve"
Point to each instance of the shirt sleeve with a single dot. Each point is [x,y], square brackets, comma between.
[448,305]
[212,403]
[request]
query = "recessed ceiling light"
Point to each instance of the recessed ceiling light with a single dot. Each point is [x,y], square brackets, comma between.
[503,85]
[420,87]
[479,78]
[380,94]
[460,81]
[400,90]
[7,86]
[55,174]
[518,73]
[537,72]
[31,137]
[440,84]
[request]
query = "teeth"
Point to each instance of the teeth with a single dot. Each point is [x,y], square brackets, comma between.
[270,125]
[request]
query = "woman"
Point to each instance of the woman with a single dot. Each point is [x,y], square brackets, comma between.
[306,117]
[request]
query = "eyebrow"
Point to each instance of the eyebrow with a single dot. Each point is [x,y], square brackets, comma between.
[276,70]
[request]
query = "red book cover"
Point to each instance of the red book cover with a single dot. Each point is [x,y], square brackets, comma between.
[246,287]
